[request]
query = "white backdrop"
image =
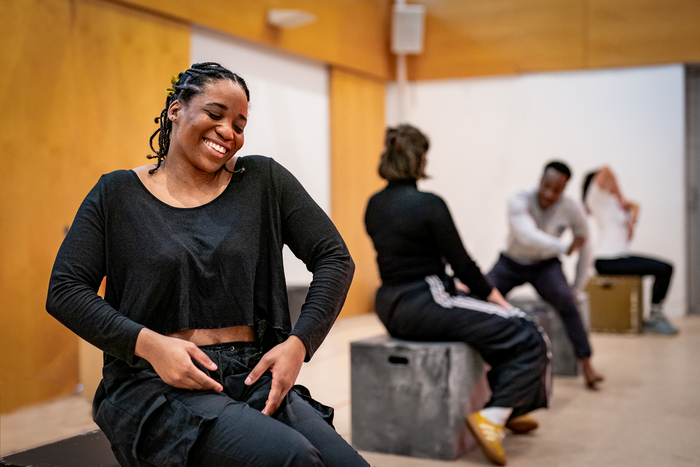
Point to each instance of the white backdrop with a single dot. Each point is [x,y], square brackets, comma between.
[492,137]
[288,115]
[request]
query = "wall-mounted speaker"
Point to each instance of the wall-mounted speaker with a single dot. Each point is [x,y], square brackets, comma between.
[407,28]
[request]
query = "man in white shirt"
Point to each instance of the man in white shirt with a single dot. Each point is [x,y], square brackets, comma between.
[537,218]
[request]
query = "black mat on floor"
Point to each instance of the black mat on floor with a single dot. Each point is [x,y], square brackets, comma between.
[87,450]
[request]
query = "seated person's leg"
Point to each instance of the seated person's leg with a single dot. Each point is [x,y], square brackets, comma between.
[508,342]
[552,286]
[505,275]
[643,266]
[241,435]
[150,422]
[303,418]
[640,266]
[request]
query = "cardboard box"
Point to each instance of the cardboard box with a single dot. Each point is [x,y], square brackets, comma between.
[616,303]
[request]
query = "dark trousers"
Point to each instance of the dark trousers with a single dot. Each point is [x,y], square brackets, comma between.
[640,266]
[550,283]
[150,423]
[506,339]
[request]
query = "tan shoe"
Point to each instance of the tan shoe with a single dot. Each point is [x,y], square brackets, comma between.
[489,436]
[522,424]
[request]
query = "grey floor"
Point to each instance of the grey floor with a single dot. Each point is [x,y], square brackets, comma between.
[647,413]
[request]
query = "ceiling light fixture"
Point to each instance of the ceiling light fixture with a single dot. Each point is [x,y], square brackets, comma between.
[289,18]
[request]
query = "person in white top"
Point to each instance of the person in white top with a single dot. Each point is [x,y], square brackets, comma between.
[537,218]
[616,218]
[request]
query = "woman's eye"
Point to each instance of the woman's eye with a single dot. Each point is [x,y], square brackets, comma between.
[238,129]
[213,115]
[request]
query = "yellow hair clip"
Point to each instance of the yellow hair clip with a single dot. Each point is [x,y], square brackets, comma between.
[173,81]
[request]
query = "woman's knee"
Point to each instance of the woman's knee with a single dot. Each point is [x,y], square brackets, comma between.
[301,454]
[537,338]
[667,269]
[291,451]
[525,340]
[241,435]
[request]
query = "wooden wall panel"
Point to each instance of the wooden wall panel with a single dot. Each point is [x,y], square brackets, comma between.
[124,61]
[352,34]
[84,80]
[492,37]
[357,137]
[38,357]
[643,32]
[496,37]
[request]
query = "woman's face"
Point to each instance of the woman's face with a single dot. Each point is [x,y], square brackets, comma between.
[208,131]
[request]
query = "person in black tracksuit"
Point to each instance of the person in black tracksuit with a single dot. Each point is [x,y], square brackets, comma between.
[414,236]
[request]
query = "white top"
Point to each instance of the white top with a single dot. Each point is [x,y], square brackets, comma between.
[535,233]
[612,221]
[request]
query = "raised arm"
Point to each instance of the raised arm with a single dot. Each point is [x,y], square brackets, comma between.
[606,180]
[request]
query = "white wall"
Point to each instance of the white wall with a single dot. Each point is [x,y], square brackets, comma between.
[288,115]
[491,137]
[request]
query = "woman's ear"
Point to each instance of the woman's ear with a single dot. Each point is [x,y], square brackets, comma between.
[174,111]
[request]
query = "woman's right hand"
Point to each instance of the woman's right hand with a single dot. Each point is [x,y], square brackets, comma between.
[172,358]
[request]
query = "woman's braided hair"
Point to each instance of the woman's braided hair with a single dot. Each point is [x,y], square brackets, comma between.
[189,83]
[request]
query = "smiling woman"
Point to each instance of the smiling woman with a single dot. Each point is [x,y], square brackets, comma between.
[200,356]
[200,133]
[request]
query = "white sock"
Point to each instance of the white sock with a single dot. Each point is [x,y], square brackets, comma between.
[497,415]
[656,311]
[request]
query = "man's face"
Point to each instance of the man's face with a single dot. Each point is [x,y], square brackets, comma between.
[552,185]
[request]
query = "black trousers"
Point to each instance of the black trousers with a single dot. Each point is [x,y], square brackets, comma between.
[150,423]
[506,339]
[550,283]
[640,266]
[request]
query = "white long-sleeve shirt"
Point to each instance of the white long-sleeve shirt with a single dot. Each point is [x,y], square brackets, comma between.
[535,233]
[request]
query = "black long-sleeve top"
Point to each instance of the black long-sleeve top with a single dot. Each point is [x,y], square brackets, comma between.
[208,267]
[414,235]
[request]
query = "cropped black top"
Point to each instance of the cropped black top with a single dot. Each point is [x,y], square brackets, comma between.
[212,266]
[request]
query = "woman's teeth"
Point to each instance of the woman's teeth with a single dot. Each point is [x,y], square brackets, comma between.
[215,146]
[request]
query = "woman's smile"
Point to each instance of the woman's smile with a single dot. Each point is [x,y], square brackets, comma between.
[221,150]
[214,118]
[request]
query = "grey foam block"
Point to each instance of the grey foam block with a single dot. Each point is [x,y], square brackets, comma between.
[564,361]
[410,398]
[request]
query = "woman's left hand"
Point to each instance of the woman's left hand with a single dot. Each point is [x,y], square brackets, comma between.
[284,362]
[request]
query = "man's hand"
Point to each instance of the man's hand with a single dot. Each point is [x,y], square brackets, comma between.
[172,360]
[284,362]
[576,245]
